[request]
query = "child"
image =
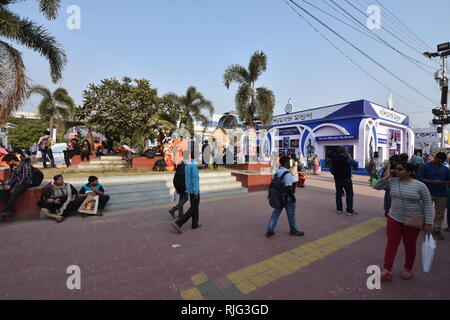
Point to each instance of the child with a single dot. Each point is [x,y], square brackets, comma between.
[301,175]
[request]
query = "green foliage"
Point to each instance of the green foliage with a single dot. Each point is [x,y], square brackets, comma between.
[121,110]
[26,134]
[251,104]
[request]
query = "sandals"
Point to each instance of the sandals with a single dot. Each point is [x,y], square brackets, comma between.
[59,219]
[386,275]
[406,274]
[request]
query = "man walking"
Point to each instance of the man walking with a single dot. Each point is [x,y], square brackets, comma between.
[341,169]
[288,181]
[417,161]
[179,182]
[45,144]
[192,181]
[436,177]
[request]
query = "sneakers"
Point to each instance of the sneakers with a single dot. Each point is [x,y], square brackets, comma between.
[269,234]
[197,226]
[352,214]
[177,228]
[339,211]
[172,213]
[297,233]
[406,274]
[386,275]
[438,235]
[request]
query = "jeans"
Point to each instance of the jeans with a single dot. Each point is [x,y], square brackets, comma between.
[9,198]
[193,212]
[347,185]
[397,231]
[47,153]
[184,197]
[440,204]
[290,210]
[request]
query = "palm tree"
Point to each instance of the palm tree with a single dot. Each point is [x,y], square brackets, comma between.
[53,106]
[251,104]
[191,108]
[13,81]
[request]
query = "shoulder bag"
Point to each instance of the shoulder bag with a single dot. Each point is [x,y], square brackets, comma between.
[412,220]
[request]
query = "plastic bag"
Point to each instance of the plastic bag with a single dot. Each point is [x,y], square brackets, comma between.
[428,247]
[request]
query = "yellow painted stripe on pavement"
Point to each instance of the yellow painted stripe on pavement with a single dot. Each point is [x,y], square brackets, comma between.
[199,279]
[192,294]
[260,274]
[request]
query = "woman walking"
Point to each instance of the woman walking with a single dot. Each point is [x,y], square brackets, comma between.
[316,163]
[410,201]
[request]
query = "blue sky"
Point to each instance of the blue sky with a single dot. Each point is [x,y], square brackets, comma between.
[179,43]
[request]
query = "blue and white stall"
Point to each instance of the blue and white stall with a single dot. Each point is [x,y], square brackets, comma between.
[362,127]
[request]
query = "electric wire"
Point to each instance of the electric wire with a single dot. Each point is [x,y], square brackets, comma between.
[416,62]
[365,54]
[354,62]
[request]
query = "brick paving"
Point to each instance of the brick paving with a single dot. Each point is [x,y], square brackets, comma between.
[129,254]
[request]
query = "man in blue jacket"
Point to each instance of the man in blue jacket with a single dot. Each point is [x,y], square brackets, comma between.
[192,181]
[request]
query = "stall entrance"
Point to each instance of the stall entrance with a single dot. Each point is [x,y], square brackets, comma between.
[330,151]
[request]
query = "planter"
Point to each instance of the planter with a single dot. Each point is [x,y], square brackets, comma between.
[4,173]
[26,205]
[144,163]
[250,166]
[253,181]
[76,160]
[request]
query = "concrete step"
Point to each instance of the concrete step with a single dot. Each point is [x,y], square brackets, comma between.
[167,200]
[111,158]
[121,196]
[99,161]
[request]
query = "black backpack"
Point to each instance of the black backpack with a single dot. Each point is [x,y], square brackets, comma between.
[38,176]
[277,192]
[179,180]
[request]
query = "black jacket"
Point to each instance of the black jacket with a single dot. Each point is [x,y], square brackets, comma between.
[341,169]
[179,180]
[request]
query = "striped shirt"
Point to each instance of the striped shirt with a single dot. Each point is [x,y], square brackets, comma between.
[413,197]
[23,174]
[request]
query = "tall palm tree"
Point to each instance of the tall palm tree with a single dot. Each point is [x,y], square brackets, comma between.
[251,103]
[13,81]
[57,105]
[191,107]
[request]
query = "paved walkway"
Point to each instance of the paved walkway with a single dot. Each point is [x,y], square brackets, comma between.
[135,254]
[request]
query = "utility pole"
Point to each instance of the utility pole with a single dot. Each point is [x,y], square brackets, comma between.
[442,114]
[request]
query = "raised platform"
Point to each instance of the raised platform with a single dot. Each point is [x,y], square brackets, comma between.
[144,163]
[253,181]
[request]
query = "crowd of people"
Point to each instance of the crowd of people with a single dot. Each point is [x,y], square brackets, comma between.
[58,199]
[411,187]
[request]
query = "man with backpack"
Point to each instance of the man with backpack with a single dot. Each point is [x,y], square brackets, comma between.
[180,187]
[281,195]
[22,177]
[45,147]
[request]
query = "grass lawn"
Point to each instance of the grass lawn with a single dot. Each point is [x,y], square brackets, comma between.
[50,173]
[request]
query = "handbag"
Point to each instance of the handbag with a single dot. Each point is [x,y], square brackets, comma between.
[412,220]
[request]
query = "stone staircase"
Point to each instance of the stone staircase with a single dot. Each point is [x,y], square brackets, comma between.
[104,163]
[149,190]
